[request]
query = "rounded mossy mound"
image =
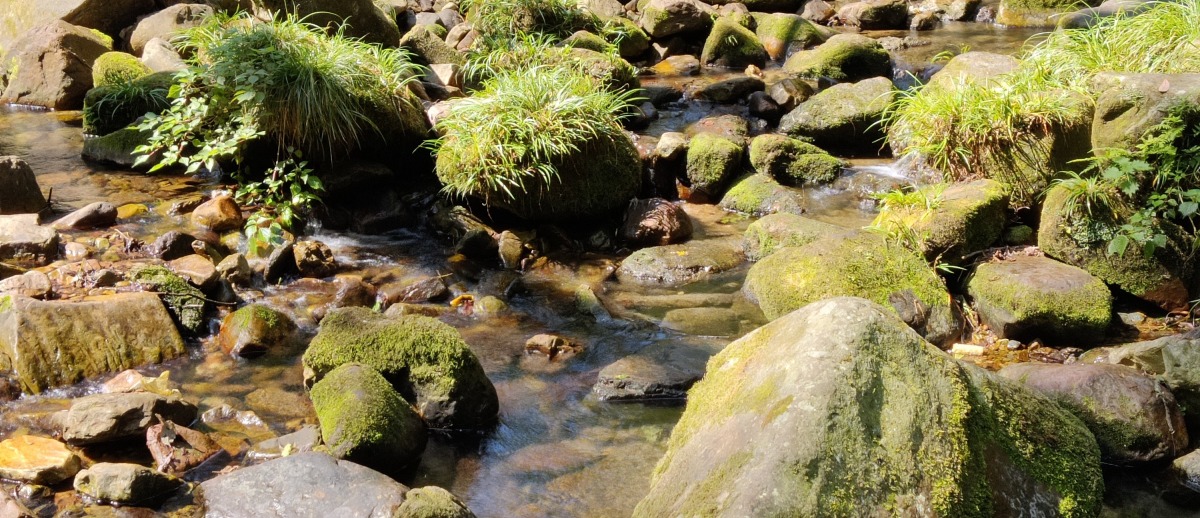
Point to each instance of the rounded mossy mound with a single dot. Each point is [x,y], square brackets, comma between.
[110,108]
[780,31]
[364,420]
[844,57]
[425,360]
[792,161]
[186,303]
[729,44]
[117,67]
[1024,298]
[775,231]
[712,161]
[543,143]
[953,221]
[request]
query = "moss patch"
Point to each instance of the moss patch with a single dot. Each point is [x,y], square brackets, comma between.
[844,57]
[712,160]
[117,67]
[730,44]
[185,302]
[792,161]
[365,421]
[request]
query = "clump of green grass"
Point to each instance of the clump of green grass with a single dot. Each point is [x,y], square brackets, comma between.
[534,50]
[499,22]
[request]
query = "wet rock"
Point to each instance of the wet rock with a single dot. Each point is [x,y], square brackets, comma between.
[1129,105]
[167,23]
[1187,470]
[711,162]
[364,420]
[235,269]
[172,245]
[24,242]
[177,448]
[32,284]
[1024,298]
[218,214]
[965,218]
[759,194]
[353,292]
[278,402]
[36,460]
[789,92]
[184,302]
[307,438]
[762,106]
[1134,417]
[50,344]
[109,16]
[843,118]
[1089,16]
[731,45]
[729,126]
[432,289]
[681,65]
[433,502]
[197,269]
[655,222]
[1174,359]
[51,66]
[870,15]
[427,361]
[314,259]
[818,11]
[76,252]
[676,265]
[782,31]
[19,191]
[844,57]
[511,248]
[829,388]
[554,347]
[949,10]
[304,484]
[159,56]
[926,21]
[112,417]
[662,18]
[861,265]
[280,263]
[793,162]
[702,321]
[125,483]
[730,90]
[660,371]
[775,231]
[117,148]
[1032,13]
[255,330]
[428,48]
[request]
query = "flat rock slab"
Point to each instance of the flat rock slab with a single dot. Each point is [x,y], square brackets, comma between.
[660,371]
[24,242]
[303,485]
[113,417]
[1023,298]
[37,460]
[702,321]
[676,265]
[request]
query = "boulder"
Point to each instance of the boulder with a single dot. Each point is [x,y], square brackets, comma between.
[172,245]
[306,484]
[160,56]
[116,68]
[36,460]
[781,32]
[949,10]
[663,18]
[875,15]
[712,161]
[425,360]
[48,344]
[759,194]
[731,45]
[661,371]
[428,48]
[1134,417]
[676,265]
[24,242]
[793,162]
[219,214]
[198,270]
[844,118]
[186,303]
[839,408]
[843,57]
[1036,13]
[19,191]
[1174,359]
[100,418]
[32,284]
[861,265]
[109,16]
[972,67]
[775,231]
[729,91]
[167,23]
[108,109]
[956,221]
[126,483]
[100,214]
[1131,104]
[314,258]
[365,421]
[255,330]
[117,148]
[630,39]
[433,502]
[655,222]
[1023,298]
[51,66]
[361,19]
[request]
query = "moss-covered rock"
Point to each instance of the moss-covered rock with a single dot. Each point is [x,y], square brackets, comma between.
[1036,13]
[779,32]
[1024,298]
[732,45]
[792,161]
[844,118]
[712,161]
[1134,417]
[862,265]
[432,502]
[429,48]
[51,66]
[663,18]
[875,15]
[185,302]
[116,148]
[839,409]
[110,108]
[255,330]
[364,420]
[844,57]
[357,18]
[613,72]
[1074,238]
[117,67]
[758,194]
[587,40]
[972,67]
[965,218]
[631,40]
[676,265]
[775,231]
[1129,105]
[425,360]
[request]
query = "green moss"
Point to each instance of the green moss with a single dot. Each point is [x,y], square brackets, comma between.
[730,44]
[775,231]
[631,40]
[185,302]
[365,421]
[759,194]
[110,108]
[587,40]
[792,161]
[1080,314]
[425,43]
[105,39]
[6,303]
[712,160]
[844,57]
[117,67]
[778,31]
[968,217]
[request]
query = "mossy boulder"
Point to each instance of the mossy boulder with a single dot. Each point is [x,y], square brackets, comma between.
[630,39]
[732,45]
[672,266]
[425,360]
[1129,105]
[844,118]
[1074,238]
[792,161]
[758,194]
[107,109]
[775,231]
[614,73]
[663,18]
[587,40]
[974,67]
[965,218]
[185,302]
[1024,298]
[429,48]
[255,330]
[433,502]
[843,57]
[780,32]
[712,160]
[168,23]
[117,67]
[1134,417]
[116,148]
[1037,13]
[839,409]
[861,265]
[364,420]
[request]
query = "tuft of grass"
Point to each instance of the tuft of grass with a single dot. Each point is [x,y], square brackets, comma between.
[500,22]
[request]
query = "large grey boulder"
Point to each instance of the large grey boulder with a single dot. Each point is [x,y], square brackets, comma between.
[167,23]
[1024,298]
[1174,359]
[1131,104]
[840,408]
[843,118]
[51,66]
[109,16]
[19,191]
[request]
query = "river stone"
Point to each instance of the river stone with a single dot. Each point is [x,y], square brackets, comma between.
[109,16]
[314,258]
[279,402]
[860,265]
[425,360]
[172,245]
[840,408]
[1187,470]
[775,231]
[359,19]
[184,302]
[197,269]
[1174,359]
[662,18]
[94,215]
[125,483]
[844,117]
[729,91]
[844,57]
[218,214]
[731,45]
[872,15]
[702,321]
[428,48]
[1134,417]
[32,284]
[102,418]
[779,32]
[973,67]
[36,460]
[24,242]
[1023,298]
[167,23]
[662,370]
[712,161]
[19,191]
[655,222]
[792,161]
[433,502]
[1036,13]
[51,66]
[1131,104]
[967,217]
[159,56]
[255,330]
[364,420]
[675,265]
[53,343]
[759,194]
[303,485]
